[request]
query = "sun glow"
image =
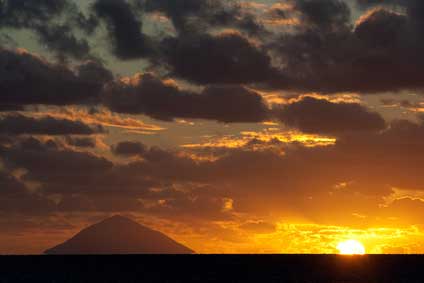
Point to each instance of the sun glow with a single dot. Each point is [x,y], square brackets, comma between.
[351,247]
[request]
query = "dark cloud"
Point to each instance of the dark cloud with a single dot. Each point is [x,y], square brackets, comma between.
[28,79]
[326,54]
[99,203]
[146,94]
[39,158]
[61,39]
[54,22]
[81,142]
[359,157]
[164,166]
[180,11]
[129,148]
[382,28]
[76,172]
[10,185]
[16,198]
[392,43]
[26,13]
[198,16]
[95,72]
[87,183]
[17,225]
[412,9]
[157,163]
[224,58]
[10,107]
[17,124]
[168,183]
[125,28]
[321,116]
[205,202]
[6,140]
[324,14]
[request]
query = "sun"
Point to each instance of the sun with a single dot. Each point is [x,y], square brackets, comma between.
[351,247]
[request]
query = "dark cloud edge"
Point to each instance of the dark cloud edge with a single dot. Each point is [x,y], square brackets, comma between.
[31,80]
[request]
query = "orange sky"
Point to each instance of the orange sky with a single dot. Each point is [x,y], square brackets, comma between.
[260,126]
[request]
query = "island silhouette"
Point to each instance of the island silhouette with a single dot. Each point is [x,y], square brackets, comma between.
[118,235]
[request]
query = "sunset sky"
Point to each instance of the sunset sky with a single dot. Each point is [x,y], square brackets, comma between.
[254,126]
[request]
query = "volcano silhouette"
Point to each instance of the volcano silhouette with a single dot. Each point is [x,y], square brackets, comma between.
[118,235]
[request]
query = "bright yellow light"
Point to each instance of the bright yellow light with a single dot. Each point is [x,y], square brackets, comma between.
[351,247]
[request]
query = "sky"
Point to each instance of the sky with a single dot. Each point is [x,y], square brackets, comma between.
[232,126]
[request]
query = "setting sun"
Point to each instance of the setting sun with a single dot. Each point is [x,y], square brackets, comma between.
[351,247]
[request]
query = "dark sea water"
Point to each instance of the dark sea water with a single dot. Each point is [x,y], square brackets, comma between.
[213,268]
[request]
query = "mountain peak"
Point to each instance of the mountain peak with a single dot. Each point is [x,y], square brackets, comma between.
[119,219]
[119,235]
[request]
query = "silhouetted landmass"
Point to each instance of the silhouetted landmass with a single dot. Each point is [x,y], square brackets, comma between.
[118,235]
[213,268]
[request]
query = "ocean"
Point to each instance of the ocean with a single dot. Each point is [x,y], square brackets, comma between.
[213,268]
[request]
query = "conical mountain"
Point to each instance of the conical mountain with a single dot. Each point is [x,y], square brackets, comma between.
[119,235]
